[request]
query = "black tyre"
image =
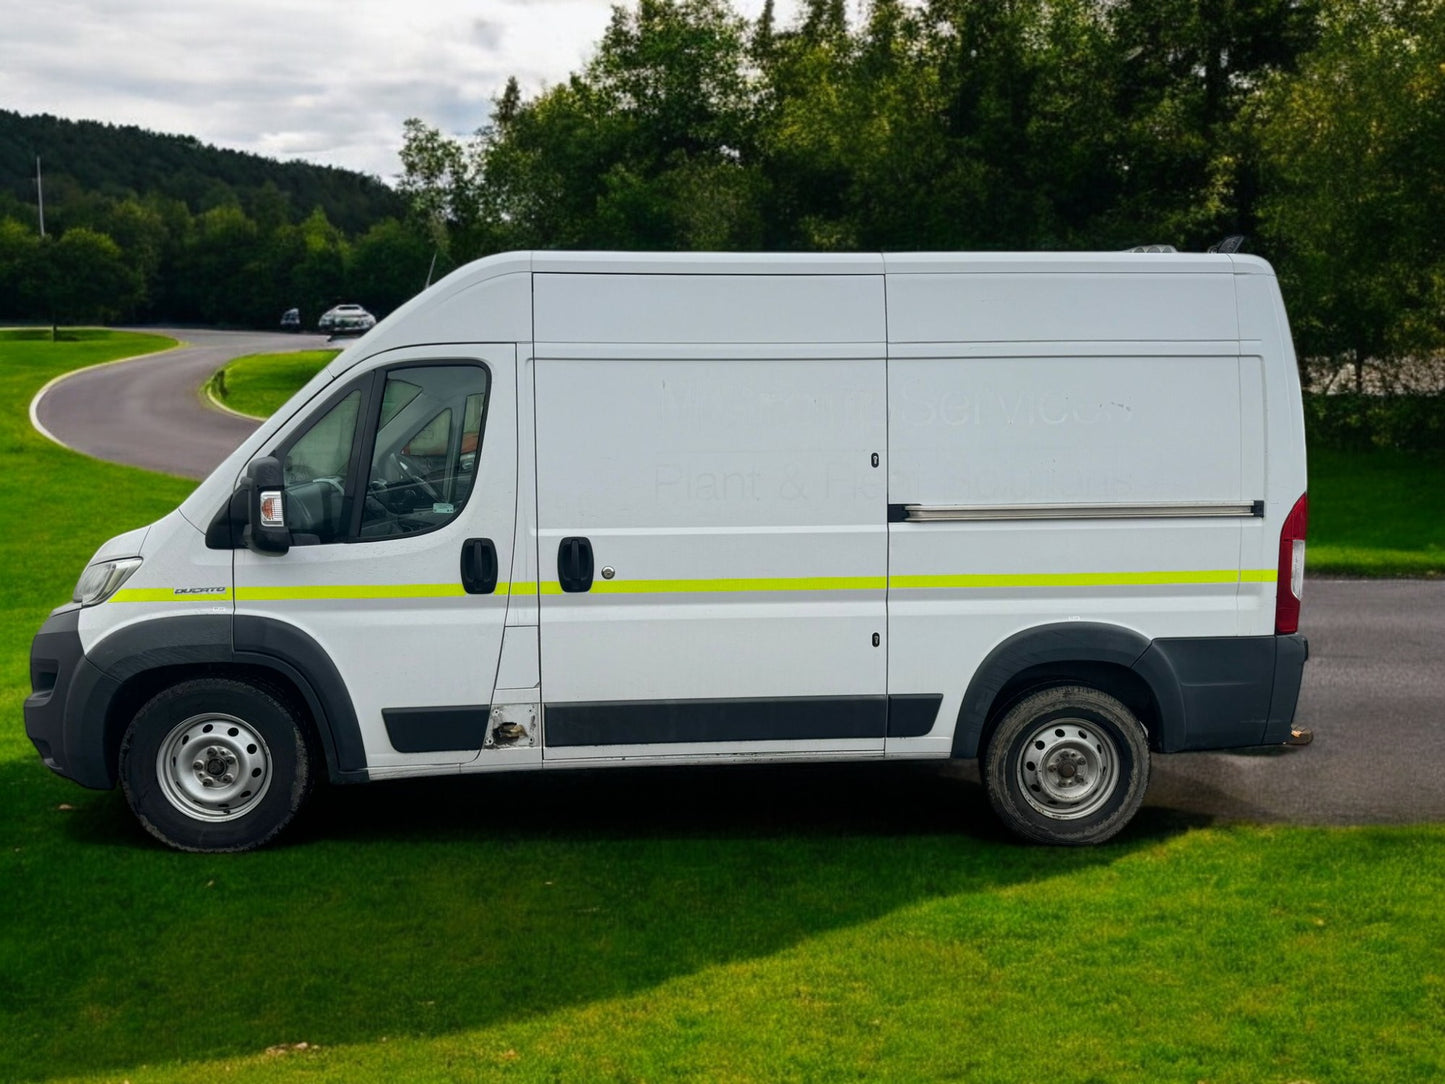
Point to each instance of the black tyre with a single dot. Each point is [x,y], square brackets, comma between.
[215,765]
[1067,765]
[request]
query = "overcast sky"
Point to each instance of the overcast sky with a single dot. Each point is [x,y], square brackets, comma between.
[324,80]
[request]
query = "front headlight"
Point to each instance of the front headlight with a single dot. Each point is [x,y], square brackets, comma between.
[102,579]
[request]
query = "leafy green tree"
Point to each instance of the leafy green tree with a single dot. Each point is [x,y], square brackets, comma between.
[1184,71]
[647,147]
[388,265]
[212,280]
[438,179]
[318,280]
[1353,151]
[22,294]
[140,232]
[86,277]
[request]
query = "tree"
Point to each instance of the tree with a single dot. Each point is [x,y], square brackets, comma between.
[22,293]
[1353,150]
[387,266]
[212,277]
[318,280]
[647,147]
[86,277]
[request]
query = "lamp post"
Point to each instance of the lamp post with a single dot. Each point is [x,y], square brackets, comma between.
[40,194]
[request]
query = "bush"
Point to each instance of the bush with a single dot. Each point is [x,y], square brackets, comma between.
[1354,423]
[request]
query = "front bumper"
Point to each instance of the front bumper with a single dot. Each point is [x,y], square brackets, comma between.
[65,711]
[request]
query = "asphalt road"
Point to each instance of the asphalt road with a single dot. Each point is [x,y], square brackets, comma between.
[149,411]
[1374,688]
[1374,694]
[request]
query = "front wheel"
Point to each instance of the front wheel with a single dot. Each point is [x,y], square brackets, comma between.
[215,765]
[1067,765]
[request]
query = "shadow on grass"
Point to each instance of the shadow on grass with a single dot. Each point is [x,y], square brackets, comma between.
[423,908]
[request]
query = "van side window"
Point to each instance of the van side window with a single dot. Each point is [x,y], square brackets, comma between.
[423,462]
[316,469]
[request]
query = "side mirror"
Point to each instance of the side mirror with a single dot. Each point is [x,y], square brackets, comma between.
[266,530]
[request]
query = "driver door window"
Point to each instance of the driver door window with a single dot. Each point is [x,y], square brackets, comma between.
[423,460]
[419,459]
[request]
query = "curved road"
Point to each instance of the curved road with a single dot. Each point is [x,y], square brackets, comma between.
[1374,689]
[149,411]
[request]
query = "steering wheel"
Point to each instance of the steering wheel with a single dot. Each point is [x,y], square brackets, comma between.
[411,474]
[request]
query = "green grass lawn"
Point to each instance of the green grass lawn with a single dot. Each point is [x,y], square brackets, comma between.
[259,383]
[1377,513]
[823,924]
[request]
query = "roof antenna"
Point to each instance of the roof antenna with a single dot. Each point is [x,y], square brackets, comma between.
[1229,244]
[432,268]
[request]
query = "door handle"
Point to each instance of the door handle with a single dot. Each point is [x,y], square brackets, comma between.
[574,564]
[479,566]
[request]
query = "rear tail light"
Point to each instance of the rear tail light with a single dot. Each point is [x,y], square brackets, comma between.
[1290,586]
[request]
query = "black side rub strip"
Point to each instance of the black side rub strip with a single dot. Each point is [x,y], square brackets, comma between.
[912,715]
[436,730]
[650,722]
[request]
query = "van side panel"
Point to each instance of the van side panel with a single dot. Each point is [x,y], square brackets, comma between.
[1043,307]
[1056,428]
[736,504]
[1046,457]
[728,493]
[708,308]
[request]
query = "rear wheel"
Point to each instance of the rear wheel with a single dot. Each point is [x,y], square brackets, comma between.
[1067,765]
[215,764]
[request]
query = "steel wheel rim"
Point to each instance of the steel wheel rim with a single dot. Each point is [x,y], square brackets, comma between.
[214,767]
[1067,769]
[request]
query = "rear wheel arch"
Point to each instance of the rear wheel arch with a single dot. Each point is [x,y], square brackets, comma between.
[1120,682]
[1088,653]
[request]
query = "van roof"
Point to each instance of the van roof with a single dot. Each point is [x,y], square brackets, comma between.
[871,263]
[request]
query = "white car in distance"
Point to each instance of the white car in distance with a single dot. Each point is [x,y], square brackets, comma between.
[343,318]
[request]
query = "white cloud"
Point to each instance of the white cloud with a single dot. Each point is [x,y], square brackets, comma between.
[322,80]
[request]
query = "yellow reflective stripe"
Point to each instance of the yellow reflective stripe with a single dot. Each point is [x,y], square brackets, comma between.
[168,594]
[330,592]
[1258,575]
[363,591]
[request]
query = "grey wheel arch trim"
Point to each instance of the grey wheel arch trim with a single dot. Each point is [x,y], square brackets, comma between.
[192,640]
[1072,641]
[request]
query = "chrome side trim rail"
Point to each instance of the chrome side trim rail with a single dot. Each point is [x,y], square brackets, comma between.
[960,513]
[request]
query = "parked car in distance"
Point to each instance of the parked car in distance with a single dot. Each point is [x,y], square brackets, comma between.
[346,318]
[291,320]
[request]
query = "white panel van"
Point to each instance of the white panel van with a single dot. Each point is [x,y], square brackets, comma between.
[586,509]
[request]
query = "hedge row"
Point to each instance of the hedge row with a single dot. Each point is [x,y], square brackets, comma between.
[1354,423]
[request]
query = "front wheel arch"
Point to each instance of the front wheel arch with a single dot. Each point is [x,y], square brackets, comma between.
[144,686]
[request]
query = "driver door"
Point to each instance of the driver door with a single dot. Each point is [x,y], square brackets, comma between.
[401,493]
